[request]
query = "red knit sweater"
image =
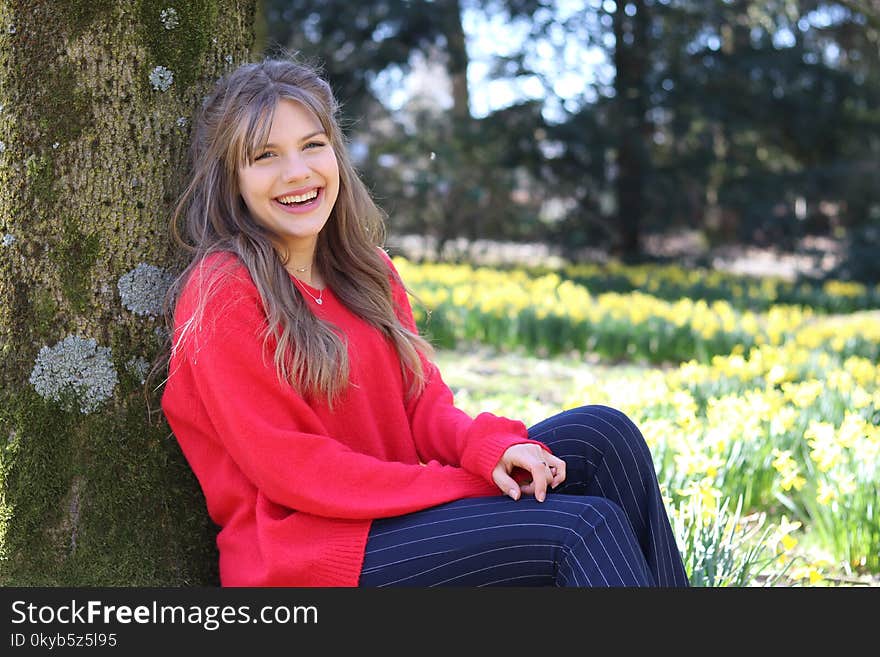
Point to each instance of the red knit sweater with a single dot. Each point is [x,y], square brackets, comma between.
[292,485]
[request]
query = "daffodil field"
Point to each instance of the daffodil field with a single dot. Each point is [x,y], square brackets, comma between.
[762,415]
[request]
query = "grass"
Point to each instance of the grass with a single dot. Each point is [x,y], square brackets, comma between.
[526,387]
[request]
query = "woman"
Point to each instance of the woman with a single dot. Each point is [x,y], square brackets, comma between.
[326,443]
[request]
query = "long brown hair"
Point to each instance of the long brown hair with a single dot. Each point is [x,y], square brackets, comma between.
[233,124]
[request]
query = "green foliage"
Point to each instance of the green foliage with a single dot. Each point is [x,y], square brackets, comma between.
[742,292]
[720,549]
[354,41]
[751,122]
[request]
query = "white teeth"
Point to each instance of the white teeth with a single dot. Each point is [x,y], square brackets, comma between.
[298,198]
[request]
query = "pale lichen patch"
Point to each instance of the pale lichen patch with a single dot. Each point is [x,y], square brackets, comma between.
[161,78]
[75,372]
[143,289]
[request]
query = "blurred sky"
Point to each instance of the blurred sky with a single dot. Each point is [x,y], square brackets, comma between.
[567,64]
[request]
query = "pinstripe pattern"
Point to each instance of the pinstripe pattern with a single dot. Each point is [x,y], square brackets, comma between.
[604,526]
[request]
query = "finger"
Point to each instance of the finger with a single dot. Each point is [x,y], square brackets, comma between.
[540,478]
[557,468]
[506,483]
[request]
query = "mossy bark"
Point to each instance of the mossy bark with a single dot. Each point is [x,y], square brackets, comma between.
[92,156]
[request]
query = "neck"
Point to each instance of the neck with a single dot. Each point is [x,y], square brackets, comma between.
[300,262]
[311,276]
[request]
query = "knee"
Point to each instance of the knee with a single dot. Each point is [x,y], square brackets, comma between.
[596,511]
[614,424]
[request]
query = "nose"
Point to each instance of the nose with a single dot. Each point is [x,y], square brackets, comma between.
[296,168]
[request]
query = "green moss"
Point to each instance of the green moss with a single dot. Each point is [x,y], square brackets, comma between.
[105,498]
[44,80]
[76,253]
[179,49]
[43,310]
[64,122]
[40,452]
[8,450]
[149,479]
[77,15]
[104,478]
[116,503]
[38,170]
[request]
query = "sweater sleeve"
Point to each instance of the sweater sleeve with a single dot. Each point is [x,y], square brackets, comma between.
[444,432]
[277,440]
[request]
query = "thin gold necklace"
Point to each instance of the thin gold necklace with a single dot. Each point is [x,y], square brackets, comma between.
[318,299]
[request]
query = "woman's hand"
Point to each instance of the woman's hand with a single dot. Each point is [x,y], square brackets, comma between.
[546,470]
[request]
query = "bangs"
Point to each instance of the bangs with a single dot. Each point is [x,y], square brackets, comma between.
[252,132]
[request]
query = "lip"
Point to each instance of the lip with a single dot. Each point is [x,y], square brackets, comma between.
[300,209]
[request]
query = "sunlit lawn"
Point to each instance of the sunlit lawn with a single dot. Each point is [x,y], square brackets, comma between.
[525,387]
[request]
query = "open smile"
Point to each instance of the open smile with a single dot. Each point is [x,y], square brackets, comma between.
[300,202]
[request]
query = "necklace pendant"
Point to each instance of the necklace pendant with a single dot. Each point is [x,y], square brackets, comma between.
[319,301]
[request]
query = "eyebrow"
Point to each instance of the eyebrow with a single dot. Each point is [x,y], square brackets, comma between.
[306,138]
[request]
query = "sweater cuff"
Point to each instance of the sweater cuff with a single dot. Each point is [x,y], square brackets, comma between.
[484,450]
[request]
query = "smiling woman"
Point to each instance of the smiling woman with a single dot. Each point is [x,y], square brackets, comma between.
[346,462]
[290,185]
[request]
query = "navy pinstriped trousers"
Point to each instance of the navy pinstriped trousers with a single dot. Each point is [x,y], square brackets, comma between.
[604,526]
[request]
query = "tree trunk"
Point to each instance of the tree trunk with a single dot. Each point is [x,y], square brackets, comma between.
[630,61]
[96,103]
[457,202]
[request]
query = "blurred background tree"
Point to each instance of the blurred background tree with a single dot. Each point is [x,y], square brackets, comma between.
[599,123]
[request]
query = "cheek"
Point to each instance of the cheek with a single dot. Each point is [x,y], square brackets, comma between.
[334,175]
[243,184]
[332,167]
[251,187]
[245,199]
[250,199]
[333,189]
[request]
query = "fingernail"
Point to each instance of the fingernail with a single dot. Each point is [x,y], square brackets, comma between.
[512,493]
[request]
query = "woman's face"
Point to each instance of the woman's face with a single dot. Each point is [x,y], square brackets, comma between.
[292,184]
